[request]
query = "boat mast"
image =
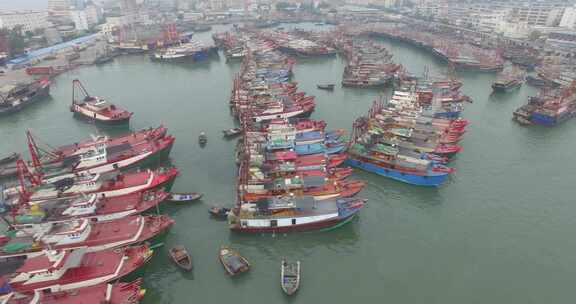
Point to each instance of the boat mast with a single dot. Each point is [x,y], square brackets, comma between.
[33,148]
[78,87]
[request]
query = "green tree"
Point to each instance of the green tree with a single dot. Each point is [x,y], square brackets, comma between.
[16,42]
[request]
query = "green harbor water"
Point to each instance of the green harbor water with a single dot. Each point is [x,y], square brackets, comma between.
[500,231]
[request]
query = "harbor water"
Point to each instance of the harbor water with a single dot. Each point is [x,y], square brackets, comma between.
[499,231]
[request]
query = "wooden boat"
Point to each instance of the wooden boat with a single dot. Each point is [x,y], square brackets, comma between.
[328,87]
[185,197]
[180,256]
[290,277]
[202,139]
[232,132]
[9,159]
[218,212]
[232,261]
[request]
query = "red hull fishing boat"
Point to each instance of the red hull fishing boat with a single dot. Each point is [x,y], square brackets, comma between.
[117,293]
[80,147]
[61,158]
[71,269]
[87,206]
[109,185]
[30,240]
[94,108]
[100,157]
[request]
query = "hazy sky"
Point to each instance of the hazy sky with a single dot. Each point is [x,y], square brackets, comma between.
[23,4]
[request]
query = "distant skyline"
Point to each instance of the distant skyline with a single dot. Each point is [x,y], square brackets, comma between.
[23,4]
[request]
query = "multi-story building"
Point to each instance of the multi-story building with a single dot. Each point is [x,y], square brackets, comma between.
[568,19]
[59,8]
[80,20]
[535,13]
[28,20]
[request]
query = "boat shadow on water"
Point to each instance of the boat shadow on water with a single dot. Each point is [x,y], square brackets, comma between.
[298,244]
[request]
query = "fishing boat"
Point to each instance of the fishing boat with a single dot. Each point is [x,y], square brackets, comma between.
[285,214]
[290,277]
[232,261]
[232,132]
[61,270]
[49,155]
[508,80]
[185,197]
[180,256]
[108,185]
[90,207]
[219,212]
[111,293]
[202,139]
[9,159]
[32,239]
[15,97]
[194,50]
[549,107]
[95,108]
[328,87]
[100,155]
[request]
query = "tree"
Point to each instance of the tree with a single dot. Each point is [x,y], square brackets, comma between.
[15,40]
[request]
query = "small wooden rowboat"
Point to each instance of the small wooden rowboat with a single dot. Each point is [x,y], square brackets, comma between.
[328,87]
[185,197]
[290,277]
[232,261]
[232,132]
[180,256]
[202,139]
[218,212]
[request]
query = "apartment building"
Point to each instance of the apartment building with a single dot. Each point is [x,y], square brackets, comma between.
[28,20]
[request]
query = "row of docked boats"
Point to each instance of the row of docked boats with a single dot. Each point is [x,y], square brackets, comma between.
[76,227]
[368,64]
[289,177]
[262,90]
[292,44]
[463,56]
[412,136]
[233,45]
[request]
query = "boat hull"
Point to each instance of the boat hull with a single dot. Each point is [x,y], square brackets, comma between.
[320,225]
[418,180]
[39,96]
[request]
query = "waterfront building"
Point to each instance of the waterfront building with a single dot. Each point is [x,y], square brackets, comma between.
[59,8]
[28,20]
[80,20]
[569,18]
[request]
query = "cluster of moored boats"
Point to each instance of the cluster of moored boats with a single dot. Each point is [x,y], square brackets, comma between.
[462,56]
[76,220]
[412,136]
[367,64]
[289,177]
[296,46]
[550,107]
